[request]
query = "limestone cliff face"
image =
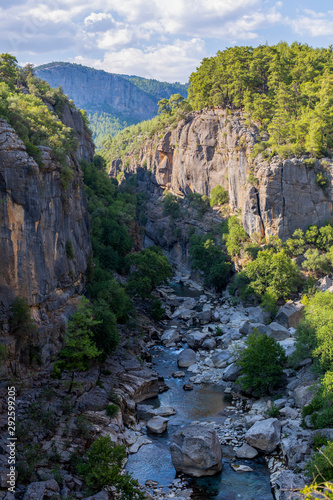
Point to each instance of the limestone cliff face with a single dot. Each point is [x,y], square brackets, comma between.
[213,147]
[44,234]
[98,91]
[72,118]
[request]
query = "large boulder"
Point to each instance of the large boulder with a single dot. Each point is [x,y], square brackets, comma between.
[290,314]
[303,395]
[220,359]
[277,331]
[232,373]
[296,443]
[169,337]
[246,451]
[264,435]
[195,450]
[195,339]
[205,315]
[186,358]
[157,424]
[209,344]
[257,315]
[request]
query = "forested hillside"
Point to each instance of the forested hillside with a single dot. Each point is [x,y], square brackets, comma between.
[286,89]
[112,101]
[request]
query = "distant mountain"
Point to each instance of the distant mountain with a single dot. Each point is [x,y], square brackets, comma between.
[112,101]
[160,90]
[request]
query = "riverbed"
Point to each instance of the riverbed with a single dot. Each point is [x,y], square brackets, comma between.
[205,403]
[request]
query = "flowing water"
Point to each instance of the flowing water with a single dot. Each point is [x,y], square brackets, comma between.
[204,403]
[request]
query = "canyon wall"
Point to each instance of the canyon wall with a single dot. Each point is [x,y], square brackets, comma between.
[212,147]
[44,238]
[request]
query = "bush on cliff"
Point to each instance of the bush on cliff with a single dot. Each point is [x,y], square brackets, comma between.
[262,362]
[28,114]
[101,466]
[218,196]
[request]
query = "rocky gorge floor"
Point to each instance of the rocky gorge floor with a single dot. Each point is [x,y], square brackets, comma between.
[202,332]
[209,330]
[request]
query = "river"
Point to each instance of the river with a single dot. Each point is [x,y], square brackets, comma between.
[204,403]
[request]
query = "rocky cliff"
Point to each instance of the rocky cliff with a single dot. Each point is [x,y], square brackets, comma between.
[44,236]
[214,147]
[98,91]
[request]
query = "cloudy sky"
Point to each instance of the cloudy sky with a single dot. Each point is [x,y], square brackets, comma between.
[162,39]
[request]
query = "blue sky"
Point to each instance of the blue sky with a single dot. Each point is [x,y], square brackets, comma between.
[162,39]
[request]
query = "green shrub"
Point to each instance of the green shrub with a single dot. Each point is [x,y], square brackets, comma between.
[319,440]
[234,235]
[171,206]
[273,411]
[310,162]
[241,285]
[34,152]
[21,322]
[311,234]
[209,258]
[200,203]
[258,148]
[295,245]
[155,308]
[105,330]
[218,196]
[321,180]
[80,349]
[317,262]
[69,249]
[83,426]
[262,363]
[325,237]
[111,410]
[320,464]
[152,268]
[102,466]
[269,302]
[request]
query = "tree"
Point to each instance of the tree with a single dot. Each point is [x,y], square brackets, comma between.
[218,196]
[274,270]
[262,362]
[8,69]
[151,269]
[102,465]
[79,348]
[235,235]
[316,261]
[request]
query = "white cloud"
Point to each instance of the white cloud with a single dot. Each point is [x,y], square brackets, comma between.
[163,62]
[313,23]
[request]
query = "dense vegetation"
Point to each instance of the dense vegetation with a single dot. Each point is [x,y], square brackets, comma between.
[286,89]
[23,99]
[160,90]
[262,362]
[105,124]
[102,466]
[129,140]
